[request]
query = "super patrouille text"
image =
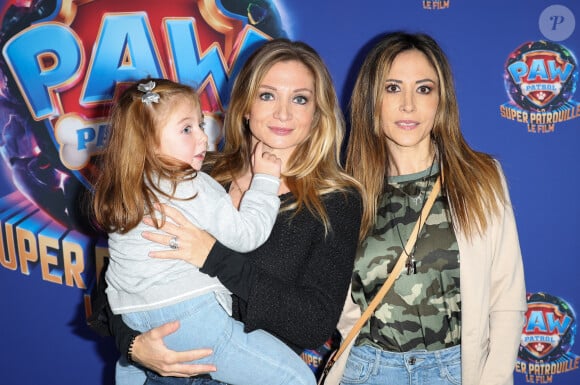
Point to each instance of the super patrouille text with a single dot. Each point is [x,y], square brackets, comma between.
[34,244]
[540,122]
[543,373]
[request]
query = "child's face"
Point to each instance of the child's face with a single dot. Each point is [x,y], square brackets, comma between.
[182,135]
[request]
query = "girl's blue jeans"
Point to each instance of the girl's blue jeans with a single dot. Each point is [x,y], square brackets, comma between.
[241,358]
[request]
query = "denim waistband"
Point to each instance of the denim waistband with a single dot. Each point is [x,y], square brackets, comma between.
[410,360]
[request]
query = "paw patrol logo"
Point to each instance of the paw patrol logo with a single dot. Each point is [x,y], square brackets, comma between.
[544,328]
[541,74]
[542,84]
[541,78]
[547,339]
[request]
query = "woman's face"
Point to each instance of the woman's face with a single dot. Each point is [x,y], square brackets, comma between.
[282,113]
[410,100]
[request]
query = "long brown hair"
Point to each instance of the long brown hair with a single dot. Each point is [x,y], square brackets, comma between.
[314,168]
[471,178]
[129,167]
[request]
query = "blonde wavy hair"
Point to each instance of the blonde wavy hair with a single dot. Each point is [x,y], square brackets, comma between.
[471,181]
[314,167]
[126,187]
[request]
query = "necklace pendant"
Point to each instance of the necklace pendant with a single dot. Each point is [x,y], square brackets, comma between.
[411,265]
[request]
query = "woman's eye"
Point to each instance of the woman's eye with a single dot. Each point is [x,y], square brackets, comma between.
[301,100]
[392,88]
[266,96]
[202,126]
[424,89]
[186,130]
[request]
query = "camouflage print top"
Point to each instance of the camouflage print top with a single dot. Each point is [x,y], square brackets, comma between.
[422,310]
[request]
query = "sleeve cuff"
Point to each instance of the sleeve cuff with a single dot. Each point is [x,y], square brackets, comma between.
[265,183]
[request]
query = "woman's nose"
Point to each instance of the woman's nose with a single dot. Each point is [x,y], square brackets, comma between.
[408,103]
[283,111]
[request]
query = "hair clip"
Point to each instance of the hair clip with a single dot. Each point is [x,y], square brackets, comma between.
[149,96]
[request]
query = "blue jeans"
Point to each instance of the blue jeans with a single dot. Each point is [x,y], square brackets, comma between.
[127,374]
[372,366]
[241,358]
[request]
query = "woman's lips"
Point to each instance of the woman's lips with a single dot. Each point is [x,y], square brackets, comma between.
[407,124]
[281,130]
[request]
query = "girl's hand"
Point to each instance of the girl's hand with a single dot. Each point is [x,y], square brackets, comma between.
[265,162]
[149,350]
[190,243]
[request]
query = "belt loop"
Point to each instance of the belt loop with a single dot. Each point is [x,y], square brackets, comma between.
[440,364]
[377,363]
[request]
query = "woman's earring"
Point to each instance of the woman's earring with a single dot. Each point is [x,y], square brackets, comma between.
[247,123]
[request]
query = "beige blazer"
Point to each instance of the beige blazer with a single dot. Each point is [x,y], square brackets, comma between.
[493,303]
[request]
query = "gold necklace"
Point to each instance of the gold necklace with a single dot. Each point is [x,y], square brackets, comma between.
[236,186]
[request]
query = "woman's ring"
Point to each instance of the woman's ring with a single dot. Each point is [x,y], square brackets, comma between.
[173,243]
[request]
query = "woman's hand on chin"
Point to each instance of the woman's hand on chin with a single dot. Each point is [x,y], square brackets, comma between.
[150,351]
[184,240]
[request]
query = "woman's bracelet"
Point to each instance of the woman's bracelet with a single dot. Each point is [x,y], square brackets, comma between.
[130,350]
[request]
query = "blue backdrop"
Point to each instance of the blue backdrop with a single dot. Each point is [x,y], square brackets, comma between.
[516,71]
